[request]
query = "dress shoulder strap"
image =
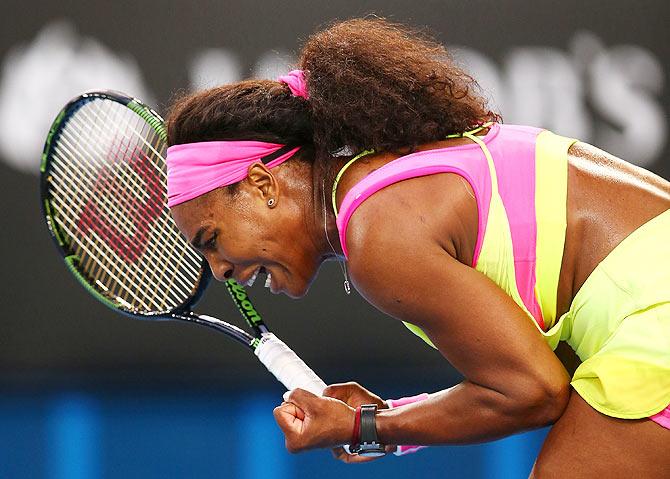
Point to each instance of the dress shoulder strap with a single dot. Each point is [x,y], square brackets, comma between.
[468,134]
[465,160]
[341,172]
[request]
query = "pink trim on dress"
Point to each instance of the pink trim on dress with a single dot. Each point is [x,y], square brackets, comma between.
[469,163]
[514,159]
[662,418]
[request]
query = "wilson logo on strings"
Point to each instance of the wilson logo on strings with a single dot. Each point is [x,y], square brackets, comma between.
[118,213]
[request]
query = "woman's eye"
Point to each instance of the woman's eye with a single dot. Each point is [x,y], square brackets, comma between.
[211,243]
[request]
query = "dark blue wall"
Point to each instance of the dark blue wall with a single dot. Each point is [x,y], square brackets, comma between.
[83,434]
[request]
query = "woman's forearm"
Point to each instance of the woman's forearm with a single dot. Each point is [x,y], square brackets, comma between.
[467,413]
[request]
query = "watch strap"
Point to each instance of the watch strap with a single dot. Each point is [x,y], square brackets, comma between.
[368,427]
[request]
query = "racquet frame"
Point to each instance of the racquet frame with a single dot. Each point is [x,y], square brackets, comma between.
[182,312]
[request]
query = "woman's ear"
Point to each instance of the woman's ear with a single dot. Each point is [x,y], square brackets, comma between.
[263,183]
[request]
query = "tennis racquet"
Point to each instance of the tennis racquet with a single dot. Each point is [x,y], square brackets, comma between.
[103,188]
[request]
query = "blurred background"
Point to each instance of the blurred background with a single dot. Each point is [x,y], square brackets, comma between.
[86,393]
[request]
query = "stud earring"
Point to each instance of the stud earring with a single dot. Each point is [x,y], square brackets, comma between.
[271,202]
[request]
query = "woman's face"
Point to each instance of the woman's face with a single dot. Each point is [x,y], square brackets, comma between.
[241,236]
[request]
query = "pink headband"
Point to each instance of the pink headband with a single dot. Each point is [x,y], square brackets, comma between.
[194,169]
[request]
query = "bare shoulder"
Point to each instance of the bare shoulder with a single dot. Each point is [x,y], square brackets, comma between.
[588,161]
[608,199]
[440,208]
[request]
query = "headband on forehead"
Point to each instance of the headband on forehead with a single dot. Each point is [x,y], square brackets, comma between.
[194,169]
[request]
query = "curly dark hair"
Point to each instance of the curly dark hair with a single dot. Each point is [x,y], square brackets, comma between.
[381,85]
[371,83]
[262,110]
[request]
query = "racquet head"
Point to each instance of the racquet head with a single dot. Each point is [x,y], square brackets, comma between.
[103,187]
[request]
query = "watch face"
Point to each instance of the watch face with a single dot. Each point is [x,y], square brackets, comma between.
[372,453]
[370,450]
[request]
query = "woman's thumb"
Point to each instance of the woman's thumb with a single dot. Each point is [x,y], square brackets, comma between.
[300,398]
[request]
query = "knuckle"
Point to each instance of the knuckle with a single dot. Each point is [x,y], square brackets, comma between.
[297,393]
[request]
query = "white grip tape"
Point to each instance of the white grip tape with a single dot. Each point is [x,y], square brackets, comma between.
[286,366]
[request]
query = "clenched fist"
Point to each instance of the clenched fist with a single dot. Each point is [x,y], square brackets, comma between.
[310,421]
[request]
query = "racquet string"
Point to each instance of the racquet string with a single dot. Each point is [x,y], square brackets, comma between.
[121,187]
[108,194]
[108,186]
[128,247]
[152,186]
[147,179]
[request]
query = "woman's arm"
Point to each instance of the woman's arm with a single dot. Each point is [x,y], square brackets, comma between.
[401,262]
[513,379]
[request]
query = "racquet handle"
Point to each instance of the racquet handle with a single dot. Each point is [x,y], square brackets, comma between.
[286,366]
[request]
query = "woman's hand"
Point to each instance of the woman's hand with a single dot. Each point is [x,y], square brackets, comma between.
[354,395]
[310,421]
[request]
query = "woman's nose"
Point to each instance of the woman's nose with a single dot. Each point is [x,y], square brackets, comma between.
[222,270]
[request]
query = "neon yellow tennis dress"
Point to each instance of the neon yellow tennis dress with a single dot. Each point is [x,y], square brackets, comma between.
[618,322]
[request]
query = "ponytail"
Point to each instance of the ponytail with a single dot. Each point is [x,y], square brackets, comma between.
[376,84]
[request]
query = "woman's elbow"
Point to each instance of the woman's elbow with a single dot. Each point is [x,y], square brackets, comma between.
[531,402]
[545,402]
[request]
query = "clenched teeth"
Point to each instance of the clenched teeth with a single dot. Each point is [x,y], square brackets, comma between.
[253,278]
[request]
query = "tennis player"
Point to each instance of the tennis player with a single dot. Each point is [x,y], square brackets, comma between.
[492,242]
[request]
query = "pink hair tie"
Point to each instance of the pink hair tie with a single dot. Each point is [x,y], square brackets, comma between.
[296,82]
[194,169]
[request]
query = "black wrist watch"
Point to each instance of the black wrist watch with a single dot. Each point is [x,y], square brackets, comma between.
[368,445]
